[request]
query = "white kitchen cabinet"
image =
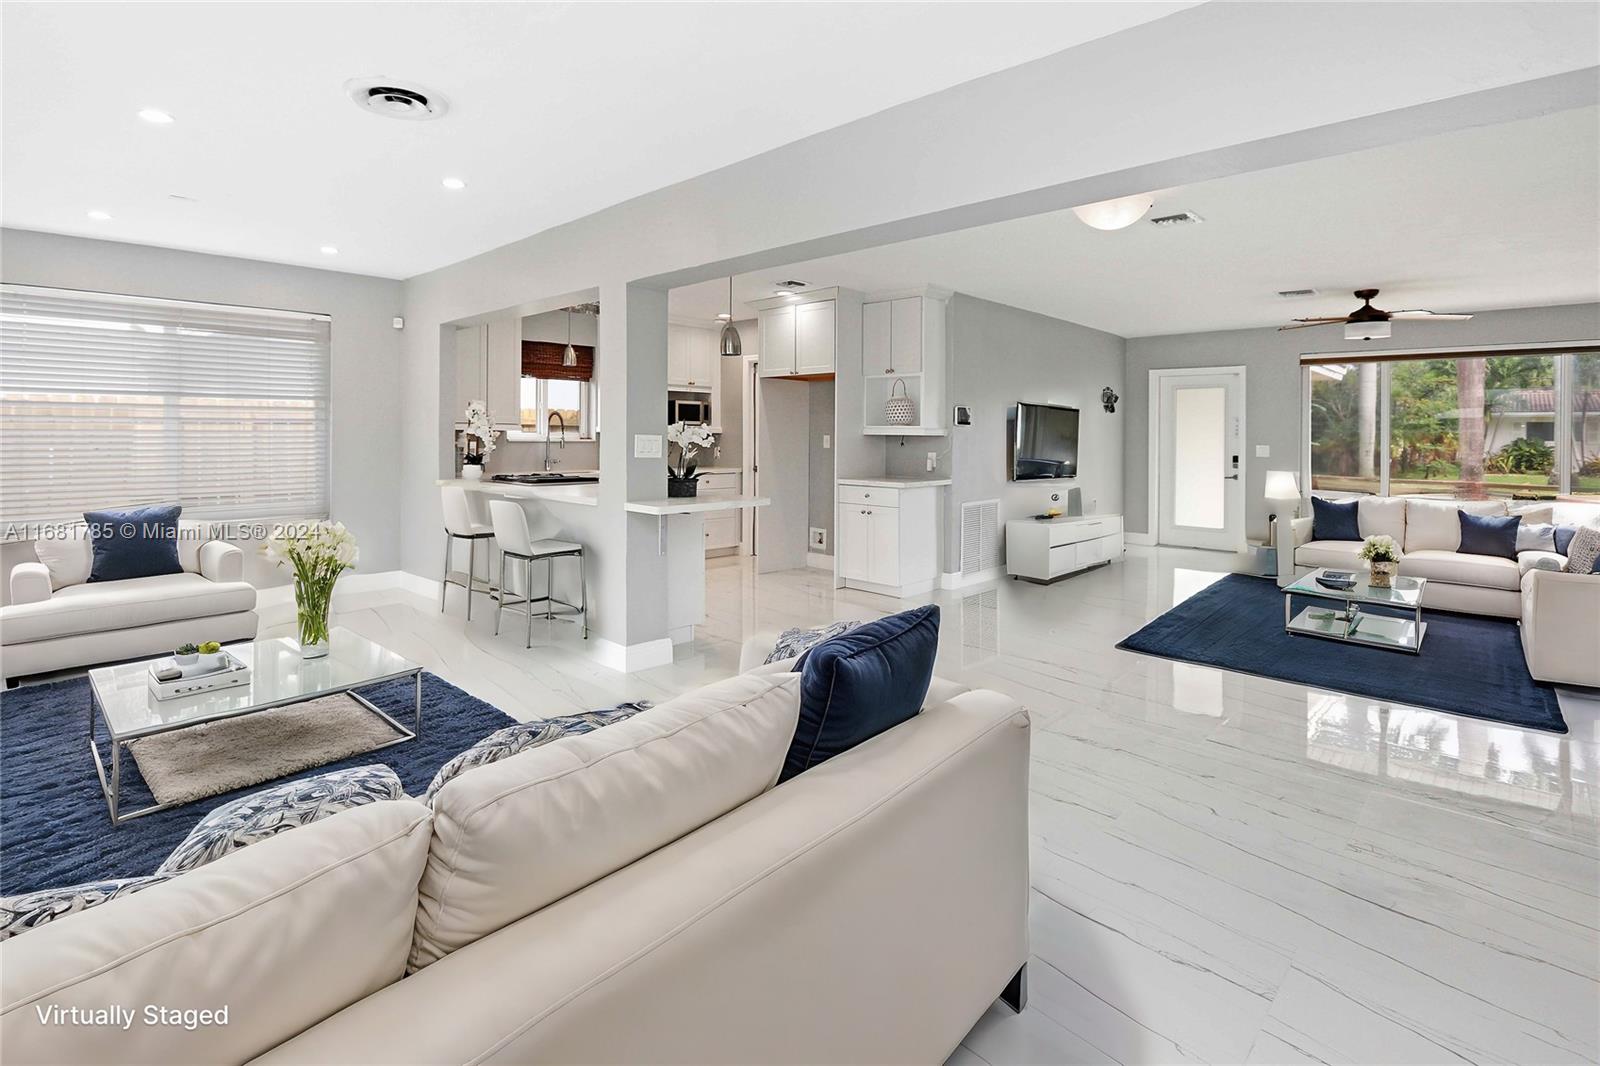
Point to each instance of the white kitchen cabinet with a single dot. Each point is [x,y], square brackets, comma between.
[691,358]
[489,368]
[777,341]
[723,529]
[903,353]
[887,538]
[814,341]
[677,357]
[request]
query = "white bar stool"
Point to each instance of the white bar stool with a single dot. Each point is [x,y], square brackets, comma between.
[516,542]
[459,525]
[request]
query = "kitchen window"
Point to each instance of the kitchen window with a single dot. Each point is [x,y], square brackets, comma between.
[108,401]
[549,387]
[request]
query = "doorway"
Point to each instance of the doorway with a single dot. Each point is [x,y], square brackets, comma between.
[1197,431]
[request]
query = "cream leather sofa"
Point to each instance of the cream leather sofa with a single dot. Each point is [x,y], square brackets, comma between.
[1559,612]
[639,894]
[56,619]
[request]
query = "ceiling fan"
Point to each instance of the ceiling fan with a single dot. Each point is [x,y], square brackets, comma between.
[1367,323]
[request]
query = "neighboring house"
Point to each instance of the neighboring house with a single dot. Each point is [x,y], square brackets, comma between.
[1531,413]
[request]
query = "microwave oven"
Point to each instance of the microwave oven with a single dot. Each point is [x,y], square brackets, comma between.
[694,412]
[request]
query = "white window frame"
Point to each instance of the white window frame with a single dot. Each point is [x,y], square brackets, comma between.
[589,428]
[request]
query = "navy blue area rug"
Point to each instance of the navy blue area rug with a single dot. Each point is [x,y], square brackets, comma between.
[1469,665]
[54,829]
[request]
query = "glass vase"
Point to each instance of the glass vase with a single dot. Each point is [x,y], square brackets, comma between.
[311,602]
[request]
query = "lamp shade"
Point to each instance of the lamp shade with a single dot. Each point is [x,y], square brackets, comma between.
[1282,485]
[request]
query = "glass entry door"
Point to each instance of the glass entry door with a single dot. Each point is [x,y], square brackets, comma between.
[1199,420]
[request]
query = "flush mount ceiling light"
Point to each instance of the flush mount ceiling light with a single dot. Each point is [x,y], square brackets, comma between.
[730,345]
[392,98]
[156,117]
[1367,331]
[1115,214]
[453,184]
[328,249]
[100,216]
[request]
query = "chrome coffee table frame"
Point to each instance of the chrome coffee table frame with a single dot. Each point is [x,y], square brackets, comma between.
[111,777]
[1344,625]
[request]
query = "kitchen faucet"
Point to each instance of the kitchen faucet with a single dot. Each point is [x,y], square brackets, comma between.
[563,445]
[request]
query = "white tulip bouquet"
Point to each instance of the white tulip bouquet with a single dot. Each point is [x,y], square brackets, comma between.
[319,552]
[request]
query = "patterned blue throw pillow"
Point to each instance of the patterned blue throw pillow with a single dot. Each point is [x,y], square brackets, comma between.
[274,810]
[504,743]
[792,642]
[18,914]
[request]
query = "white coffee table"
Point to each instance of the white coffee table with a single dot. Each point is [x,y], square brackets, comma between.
[1348,623]
[278,676]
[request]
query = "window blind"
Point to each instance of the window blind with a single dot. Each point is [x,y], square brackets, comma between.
[115,400]
[541,359]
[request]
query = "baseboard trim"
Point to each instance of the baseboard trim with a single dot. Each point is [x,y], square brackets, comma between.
[278,595]
[957,580]
[626,658]
[1143,540]
[819,561]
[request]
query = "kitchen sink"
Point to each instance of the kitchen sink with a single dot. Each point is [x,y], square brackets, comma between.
[547,479]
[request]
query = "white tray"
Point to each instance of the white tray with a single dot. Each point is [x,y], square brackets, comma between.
[236,673]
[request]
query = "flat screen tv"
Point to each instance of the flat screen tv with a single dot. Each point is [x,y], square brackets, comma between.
[1043,441]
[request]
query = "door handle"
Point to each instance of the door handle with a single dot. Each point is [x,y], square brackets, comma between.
[1230,477]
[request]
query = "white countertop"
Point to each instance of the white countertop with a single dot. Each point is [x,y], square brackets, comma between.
[696,504]
[584,494]
[719,470]
[892,481]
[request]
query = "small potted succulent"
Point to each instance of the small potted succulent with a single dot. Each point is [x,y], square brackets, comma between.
[187,654]
[1383,557]
[212,657]
[691,439]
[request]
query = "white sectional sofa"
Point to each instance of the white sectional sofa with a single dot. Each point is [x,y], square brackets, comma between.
[57,619]
[1559,612]
[642,893]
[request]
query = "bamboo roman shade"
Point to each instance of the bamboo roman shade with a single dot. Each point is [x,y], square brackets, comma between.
[115,400]
[542,359]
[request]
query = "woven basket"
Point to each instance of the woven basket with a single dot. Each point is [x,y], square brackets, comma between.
[899,410]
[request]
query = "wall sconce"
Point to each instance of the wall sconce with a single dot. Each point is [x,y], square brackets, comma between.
[1109,399]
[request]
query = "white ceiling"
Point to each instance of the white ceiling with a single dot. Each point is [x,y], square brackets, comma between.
[556,110]
[1492,217]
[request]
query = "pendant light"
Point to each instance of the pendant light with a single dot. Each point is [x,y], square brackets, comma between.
[570,356]
[731,348]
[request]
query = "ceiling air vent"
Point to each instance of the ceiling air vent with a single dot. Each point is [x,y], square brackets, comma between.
[391,99]
[1294,294]
[1182,218]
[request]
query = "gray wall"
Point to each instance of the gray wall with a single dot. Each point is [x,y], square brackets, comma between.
[1000,355]
[1272,383]
[365,422]
[820,473]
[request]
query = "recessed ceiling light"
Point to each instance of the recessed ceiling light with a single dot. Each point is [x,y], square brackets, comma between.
[453,183]
[328,249]
[156,117]
[100,216]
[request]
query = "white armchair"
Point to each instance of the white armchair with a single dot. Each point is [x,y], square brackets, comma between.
[57,619]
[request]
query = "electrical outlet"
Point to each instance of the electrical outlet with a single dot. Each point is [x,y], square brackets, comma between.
[646,446]
[819,540]
[827,441]
[933,461]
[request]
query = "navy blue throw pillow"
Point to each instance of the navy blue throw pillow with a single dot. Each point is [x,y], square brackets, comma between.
[1564,538]
[1483,534]
[858,684]
[1335,519]
[137,542]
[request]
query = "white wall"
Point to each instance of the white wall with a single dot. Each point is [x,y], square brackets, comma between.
[1273,409]
[1228,98]
[365,421]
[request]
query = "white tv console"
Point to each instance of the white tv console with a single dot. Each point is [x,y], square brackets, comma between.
[1043,550]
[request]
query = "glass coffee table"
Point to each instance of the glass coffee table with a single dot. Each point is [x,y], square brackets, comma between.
[120,697]
[1347,622]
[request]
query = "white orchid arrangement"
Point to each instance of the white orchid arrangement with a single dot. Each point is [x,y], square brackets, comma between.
[691,438]
[318,552]
[480,429]
[1380,548]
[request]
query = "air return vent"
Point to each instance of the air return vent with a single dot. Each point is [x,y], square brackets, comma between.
[1295,294]
[1182,218]
[980,537]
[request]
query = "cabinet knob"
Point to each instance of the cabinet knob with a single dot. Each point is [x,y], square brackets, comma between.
[866,495]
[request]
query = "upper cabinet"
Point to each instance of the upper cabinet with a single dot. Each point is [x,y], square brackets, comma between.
[800,339]
[489,368]
[691,358]
[903,356]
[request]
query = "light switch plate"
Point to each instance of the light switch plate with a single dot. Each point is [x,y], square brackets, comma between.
[646,446]
[827,441]
[1263,451]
